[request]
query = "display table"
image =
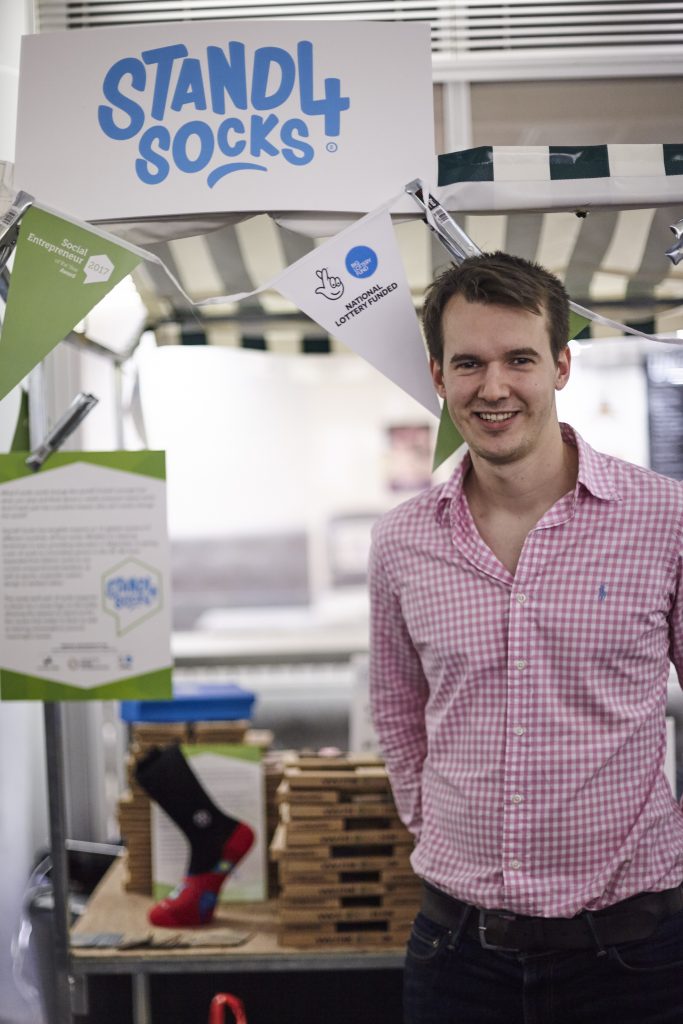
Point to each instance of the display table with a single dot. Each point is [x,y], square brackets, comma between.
[113,911]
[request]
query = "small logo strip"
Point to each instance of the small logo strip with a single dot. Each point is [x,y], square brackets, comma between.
[602,592]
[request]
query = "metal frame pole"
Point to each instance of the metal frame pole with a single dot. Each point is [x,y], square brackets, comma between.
[54,758]
[55,768]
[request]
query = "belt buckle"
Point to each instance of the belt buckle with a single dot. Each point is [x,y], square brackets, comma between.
[483,927]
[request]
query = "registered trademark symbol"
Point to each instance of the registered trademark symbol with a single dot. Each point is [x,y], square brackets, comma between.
[331,147]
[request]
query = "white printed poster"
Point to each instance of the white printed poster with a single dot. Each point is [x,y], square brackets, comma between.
[232,775]
[84,577]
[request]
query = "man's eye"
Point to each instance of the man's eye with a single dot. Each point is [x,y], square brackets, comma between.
[521,360]
[468,365]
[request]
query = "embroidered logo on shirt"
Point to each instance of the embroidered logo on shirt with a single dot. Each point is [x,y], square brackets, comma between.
[602,592]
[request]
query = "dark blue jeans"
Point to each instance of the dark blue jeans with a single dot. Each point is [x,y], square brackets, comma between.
[453,980]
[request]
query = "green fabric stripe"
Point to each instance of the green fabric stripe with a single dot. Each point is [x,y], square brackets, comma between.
[150,686]
[316,346]
[467,165]
[146,463]
[673,157]
[578,162]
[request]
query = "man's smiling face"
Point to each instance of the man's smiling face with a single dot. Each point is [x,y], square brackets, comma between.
[499,378]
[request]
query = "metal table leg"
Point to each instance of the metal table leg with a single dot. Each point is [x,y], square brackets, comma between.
[141,1008]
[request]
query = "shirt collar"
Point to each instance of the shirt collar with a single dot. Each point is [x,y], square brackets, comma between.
[596,473]
[596,470]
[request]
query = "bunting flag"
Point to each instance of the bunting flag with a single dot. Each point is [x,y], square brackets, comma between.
[355,287]
[61,270]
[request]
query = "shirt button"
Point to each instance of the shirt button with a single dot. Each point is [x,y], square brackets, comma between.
[519,730]
[517,798]
[515,865]
[521,598]
[520,664]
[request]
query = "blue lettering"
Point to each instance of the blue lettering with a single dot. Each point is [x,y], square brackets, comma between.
[260,130]
[178,81]
[164,58]
[288,137]
[148,157]
[230,124]
[110,88]
[227,75]
[190,86]
[264,58]
[332,104]
[183,136]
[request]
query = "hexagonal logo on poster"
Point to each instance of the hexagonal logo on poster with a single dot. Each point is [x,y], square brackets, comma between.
[131,592]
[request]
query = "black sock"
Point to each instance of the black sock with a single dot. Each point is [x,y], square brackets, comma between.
[168,779]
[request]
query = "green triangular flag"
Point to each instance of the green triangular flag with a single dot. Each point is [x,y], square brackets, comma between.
[449,438]
[61,270]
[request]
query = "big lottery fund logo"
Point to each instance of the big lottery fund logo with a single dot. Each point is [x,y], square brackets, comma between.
[360,261]
[229,100]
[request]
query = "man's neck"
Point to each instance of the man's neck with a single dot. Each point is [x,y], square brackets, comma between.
[530,485]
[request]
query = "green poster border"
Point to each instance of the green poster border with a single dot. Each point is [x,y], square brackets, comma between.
[155,685]
[145,463]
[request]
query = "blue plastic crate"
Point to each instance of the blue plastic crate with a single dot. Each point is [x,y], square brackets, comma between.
[193,702]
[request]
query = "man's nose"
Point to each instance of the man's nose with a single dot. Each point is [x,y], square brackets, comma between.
[494,385]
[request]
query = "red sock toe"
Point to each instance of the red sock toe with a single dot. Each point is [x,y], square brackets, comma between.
[192,903]
[194,900]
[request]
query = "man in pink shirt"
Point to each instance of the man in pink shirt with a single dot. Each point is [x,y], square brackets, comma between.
[524,616]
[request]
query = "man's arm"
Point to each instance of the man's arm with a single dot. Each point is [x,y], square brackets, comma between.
[398,694]
[676,625]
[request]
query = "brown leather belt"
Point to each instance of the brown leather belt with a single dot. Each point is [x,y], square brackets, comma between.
[631,920]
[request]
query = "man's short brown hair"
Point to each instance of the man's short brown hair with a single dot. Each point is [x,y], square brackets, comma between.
[497,278]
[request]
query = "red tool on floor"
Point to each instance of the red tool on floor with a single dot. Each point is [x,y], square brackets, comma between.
[217,1009]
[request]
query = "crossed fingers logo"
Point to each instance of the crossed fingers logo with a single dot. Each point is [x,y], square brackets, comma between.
[330,287]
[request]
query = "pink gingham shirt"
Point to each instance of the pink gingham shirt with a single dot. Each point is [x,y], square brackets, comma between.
[522,717]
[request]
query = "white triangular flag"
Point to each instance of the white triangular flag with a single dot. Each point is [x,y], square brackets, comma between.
[355,287]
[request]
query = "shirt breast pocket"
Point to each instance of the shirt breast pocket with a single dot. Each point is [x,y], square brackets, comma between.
[609,618]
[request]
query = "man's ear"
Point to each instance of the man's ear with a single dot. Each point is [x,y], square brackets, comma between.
[564,363]
[437,376]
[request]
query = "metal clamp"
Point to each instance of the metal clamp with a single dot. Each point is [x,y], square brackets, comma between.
[455,241]
[9,225]
[675,253]
[77,411]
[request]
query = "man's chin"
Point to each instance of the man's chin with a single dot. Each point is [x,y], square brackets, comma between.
[498,457]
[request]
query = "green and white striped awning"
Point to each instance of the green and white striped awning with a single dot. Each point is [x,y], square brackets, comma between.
[598,216]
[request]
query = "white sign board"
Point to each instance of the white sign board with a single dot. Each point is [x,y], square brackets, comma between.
[84,578]
[201,117]
[233,777]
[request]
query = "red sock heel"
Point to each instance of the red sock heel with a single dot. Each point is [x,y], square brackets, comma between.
[193,902]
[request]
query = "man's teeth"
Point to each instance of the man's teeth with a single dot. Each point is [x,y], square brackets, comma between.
[495,417]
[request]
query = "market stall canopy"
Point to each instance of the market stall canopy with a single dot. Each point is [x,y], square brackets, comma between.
[600,217]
